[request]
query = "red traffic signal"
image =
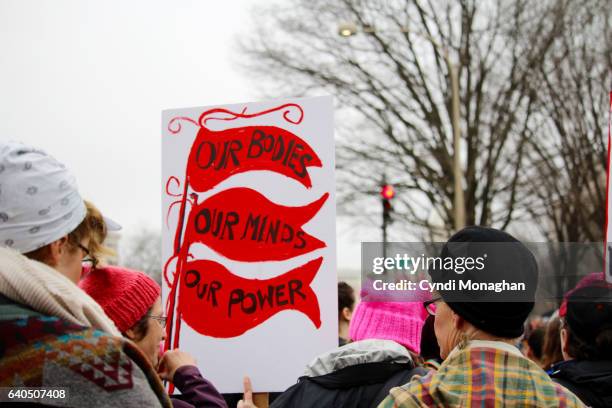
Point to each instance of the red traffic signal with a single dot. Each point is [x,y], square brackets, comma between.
[387,192]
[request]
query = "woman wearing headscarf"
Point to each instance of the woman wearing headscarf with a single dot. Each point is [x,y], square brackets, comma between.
[477,332]
[53,333]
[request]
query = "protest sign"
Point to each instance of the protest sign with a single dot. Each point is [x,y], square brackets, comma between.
[249,238]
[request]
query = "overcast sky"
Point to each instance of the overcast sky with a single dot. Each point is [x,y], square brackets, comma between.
[86,80]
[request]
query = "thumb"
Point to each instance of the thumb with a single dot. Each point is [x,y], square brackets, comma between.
[162,369]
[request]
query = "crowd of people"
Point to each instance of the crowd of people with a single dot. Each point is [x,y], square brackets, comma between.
[68,320]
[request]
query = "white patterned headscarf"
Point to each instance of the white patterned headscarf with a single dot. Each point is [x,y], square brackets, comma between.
[39,199]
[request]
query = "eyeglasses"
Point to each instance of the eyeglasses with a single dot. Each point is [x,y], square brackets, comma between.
[160,319]
[87,259]
[430,306]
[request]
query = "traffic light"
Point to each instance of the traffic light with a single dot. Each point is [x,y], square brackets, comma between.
[387,193]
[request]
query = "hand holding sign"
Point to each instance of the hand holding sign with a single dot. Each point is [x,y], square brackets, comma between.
[171,361]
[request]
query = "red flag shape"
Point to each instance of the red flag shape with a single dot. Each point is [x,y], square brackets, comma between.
[217,155]
[215,302]
[243,225]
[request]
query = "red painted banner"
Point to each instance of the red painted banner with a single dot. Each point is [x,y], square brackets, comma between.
[215,302]
[239,224]
[243,225]
[217,155]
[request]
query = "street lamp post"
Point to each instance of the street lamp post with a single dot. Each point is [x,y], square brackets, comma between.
[349,29]
[386,194]
[459,202]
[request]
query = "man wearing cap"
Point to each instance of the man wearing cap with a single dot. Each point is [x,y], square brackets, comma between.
[477,333]
[586,344]
[53,334]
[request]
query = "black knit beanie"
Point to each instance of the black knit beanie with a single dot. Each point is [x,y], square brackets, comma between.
[589,311]
[504,259]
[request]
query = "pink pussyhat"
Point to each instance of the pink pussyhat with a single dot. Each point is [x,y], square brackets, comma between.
[398,321]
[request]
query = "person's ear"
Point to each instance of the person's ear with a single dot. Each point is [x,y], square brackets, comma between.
[458,321]
[130,334]
[347,314]
[564,343]
[57,249]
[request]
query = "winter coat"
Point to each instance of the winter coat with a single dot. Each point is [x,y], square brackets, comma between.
[55,335]
[484,373]
[591,381]
[196,391]
[359,374]
[94,368]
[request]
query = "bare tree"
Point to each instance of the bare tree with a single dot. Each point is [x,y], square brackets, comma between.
[392,85]
[142,251]
[568,146]
[568,150]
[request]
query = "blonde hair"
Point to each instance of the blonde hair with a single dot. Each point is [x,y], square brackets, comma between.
[92,227]
[95,229]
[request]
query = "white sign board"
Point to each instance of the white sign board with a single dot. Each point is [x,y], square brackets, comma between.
[248,199]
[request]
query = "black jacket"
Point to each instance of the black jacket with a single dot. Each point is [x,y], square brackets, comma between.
[591,381]
[357,376]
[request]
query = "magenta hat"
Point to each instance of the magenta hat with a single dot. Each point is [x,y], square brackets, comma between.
[398,321]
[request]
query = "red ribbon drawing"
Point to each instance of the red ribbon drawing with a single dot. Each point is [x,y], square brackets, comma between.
[217,155]
[243,225]
[215,302]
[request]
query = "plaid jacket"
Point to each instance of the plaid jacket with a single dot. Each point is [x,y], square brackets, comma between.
[484,374]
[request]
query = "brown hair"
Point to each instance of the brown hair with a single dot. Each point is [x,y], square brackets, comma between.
[92,227]
[141,327]
[599,348]
[551,351]
[346,297]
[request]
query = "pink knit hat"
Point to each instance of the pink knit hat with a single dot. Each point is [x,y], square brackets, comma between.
[124,294]
[398,321]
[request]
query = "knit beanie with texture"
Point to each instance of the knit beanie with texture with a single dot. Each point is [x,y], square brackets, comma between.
[398,321]
[507,260]
[125,294]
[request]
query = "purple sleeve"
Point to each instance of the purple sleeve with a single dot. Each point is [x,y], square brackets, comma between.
[196,391]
